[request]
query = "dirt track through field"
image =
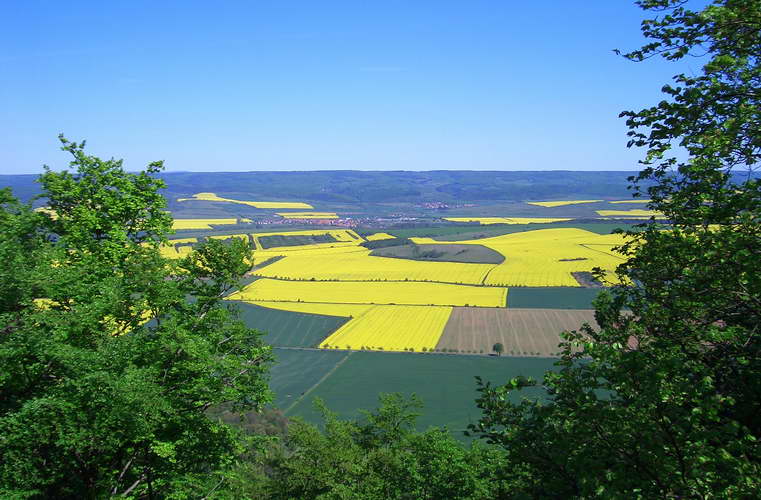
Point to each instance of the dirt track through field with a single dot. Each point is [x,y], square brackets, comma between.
[522,332]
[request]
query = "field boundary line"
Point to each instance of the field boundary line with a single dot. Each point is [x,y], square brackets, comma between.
[322,379]
[477,285]
[586,245]
[483,280]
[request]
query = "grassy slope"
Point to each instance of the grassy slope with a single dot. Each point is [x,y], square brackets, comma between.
[286,328]
[445,383]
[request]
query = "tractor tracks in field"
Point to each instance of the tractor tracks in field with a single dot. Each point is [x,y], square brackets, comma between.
[316,384]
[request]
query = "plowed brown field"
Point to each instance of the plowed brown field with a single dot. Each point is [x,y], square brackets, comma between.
[522,332]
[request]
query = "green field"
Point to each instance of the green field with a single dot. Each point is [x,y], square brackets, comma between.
[552,297]
[296,370]
[286,328]
[280,240]
[445,383]
[442,253]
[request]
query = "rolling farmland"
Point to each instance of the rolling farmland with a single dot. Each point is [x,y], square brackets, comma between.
[336,295]
[546,257]
[422,316]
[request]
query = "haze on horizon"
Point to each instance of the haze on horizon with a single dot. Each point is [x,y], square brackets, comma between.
[244,86]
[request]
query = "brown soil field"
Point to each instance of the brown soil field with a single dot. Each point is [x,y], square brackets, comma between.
[522,332]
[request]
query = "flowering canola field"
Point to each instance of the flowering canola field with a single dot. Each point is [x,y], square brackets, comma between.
[630,213]
[392,328]
[505,220]
[550,204]
[200,223]
[372,293]
[379,327]
[380,236]
[399,304]
[256,204]
[546,257]
[354,263]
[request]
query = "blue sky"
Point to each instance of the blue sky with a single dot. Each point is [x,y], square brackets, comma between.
[312,85]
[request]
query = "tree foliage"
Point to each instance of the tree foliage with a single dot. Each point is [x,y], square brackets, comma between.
[379,456]
[111,354]
[663,399]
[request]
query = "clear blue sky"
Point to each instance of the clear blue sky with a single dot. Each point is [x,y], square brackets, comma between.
[308,85]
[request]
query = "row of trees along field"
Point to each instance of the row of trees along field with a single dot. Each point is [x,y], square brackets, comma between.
[663,401]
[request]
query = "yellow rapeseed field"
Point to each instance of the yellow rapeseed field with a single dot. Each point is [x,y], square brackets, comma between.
[392,328]
[343,237]
[560,203]
[505,220]
[257,204]
[380,236]
[408,293]
[545,257]
[629,213]
[200,223]
[356,264]
[308,215]
[379,327]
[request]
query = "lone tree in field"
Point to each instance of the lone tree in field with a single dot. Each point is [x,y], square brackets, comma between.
[663,400]
[95,401]
[498,348]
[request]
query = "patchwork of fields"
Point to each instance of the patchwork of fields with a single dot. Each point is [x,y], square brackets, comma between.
[415,316]
[324,290]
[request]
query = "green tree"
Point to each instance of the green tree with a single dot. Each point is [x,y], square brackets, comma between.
[662,401]
[498,348]
[379,456]
[95,400]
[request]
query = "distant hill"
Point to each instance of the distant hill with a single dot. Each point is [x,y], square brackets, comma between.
[351,186]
